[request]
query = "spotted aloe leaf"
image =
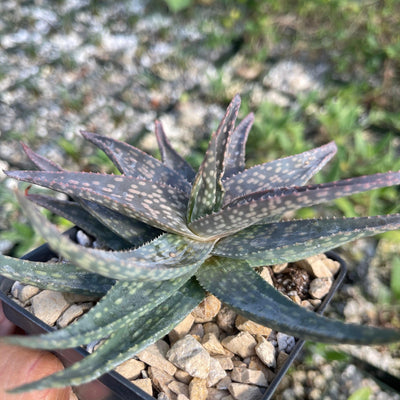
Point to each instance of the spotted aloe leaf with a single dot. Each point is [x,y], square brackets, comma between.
[207,190]
[60,276]
[123,343]
[164,258]
[293,240]
[257,300]
[286,172]
[156,204]
[101,219]
[73,212]
[170,157]
[134,162]
[235,156]
[250,209]
[107,315]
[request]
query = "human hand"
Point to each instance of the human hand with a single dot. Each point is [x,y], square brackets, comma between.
[20,365]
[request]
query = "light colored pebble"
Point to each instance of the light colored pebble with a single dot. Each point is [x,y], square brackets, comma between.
[83,239]
[242,344]
[48,306]
[225,361]
[212,344]
[251,376]
[207,309]
[72,312]
[182,329]
[155,355]
[319,287]
[216,394]
[179,387]
[265,351]
[224,383]
[161,380]
[278,268]
[316,266]
[145,385]
[266,275]
[197,330]
[285,342]
[198,389]
[23,292]
[211,327]
[181,396]
[183,376]
[188,354]
[243,391]
[216,372]
[244,324]
[130,369]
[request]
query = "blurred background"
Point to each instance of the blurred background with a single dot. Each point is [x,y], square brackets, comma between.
[311,71]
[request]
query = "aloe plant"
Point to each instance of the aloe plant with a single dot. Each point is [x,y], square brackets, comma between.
[170,234]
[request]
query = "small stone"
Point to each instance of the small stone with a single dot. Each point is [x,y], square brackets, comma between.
[216,373]
[242,344]
[256,364]
[211,327]
[145,385]
[183,376]
[182,329]
[244,324]
[216,394]
[197,331]
[130,369]
[188,354]
[72,312]
[226,319]
[207,309]
[319,287]
[179,388]
[161,380]
[316,266]
[315,303]
[198,389]
[306,304]
[242,391]
[333,265]
[48,306]
[281,359]
[251,376]
[225,362]
[224,383]
[212,344]
[285,342]
[295,297]
[23,292]
[266,275]
[181,396]
[278,268]
[162,396]
[265,351]
[155,355]
[83,239]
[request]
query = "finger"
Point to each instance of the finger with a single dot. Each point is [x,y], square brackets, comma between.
[19,365]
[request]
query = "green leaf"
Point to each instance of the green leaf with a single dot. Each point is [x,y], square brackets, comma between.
[235,156]
[170,157]
[207,190]
[153,203]
[240,287]
[60,276]
[286,172]
[251,209]
[178,5]
[73,212]
[363,393]
[123,304]
[294,240]
[164,258]
[136,163]
[124,343]
[395,278]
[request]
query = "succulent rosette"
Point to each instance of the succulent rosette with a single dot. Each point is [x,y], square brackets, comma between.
[170,234]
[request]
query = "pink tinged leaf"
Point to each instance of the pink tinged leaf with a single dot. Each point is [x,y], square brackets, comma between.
[40,162]
[236,149]
[164,258]
[170,157]
[286,172]
[249,210]
[294,240]
[207,190]
[136,163]
[155,204]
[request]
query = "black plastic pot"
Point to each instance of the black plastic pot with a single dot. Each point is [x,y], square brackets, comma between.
[113,386]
